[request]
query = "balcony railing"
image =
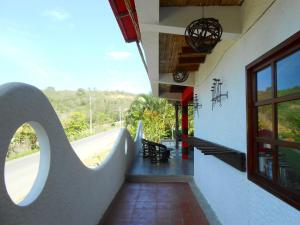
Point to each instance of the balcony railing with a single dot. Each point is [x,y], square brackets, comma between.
[65,191]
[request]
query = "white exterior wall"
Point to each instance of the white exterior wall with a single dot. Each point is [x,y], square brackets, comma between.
[235,199]
[66,192]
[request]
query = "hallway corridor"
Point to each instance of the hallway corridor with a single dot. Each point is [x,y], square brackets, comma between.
[153,204]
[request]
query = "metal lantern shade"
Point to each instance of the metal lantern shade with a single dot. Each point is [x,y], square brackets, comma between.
[180,76]
[204,34]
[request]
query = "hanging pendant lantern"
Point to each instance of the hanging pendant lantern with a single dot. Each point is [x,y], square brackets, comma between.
[180,76]
[203,34]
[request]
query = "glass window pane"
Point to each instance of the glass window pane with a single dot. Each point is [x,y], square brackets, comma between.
[289,121]
[289,168]
[264,84]
[265,163]
[265,124]
[288,75]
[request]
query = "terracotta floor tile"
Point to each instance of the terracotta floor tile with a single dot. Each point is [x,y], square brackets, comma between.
[143,222]
[149,186]
[144,215]
[171,221]
[123,205]
[117,221]
[147,196]
[166,205]
[155,204]
[145,205]
[167,213]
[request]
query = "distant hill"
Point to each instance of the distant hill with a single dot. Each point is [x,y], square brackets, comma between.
[73,110]
[105,104]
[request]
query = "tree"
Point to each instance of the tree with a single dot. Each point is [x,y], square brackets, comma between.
[24,140]
[103,118]
[80,92]
[75,125]
[157,115]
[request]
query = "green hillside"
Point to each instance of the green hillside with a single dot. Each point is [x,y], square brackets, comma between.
[73,110]
[105,104]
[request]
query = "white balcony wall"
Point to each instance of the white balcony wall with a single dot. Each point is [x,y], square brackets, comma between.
[66,192]
[235,199]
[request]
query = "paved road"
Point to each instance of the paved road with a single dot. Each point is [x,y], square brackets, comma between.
[20,173]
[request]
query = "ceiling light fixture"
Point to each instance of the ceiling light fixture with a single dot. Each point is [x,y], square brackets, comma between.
[203,34]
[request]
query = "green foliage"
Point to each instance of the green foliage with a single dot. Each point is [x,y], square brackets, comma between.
[191,121]
[75,125]
[289,120]
[72,107]
[289,91]
[105,105]
[23,142]
[108,102]
[156,114]
[103,118]
[154,125]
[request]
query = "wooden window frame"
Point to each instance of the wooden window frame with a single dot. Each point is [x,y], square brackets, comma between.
[284,49]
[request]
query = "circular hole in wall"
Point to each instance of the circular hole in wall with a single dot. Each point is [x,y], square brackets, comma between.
[27,163]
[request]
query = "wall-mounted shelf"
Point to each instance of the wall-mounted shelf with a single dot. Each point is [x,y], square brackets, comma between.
[230,156]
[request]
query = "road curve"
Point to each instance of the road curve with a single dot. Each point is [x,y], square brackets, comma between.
[21,173]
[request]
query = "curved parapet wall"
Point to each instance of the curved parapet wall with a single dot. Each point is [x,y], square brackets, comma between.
[65,191]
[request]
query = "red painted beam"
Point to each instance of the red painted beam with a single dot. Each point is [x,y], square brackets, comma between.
[187,95]
[185,128]
[125,23]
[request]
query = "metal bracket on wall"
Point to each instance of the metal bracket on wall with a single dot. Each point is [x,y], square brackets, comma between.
[197,105]
[217,94]
[230,156]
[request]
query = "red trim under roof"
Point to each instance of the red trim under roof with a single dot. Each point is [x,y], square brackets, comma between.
[124,20]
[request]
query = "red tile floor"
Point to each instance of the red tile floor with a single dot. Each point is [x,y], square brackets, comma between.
[155,203]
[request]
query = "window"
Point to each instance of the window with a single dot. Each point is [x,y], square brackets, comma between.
[273,100]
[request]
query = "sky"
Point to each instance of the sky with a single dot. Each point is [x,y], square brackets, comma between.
[67,44]
[287,70]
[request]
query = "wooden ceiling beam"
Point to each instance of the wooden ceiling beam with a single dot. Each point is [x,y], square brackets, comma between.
[191,60]
[177,88]
[193,55]
[188,50]
[188,67]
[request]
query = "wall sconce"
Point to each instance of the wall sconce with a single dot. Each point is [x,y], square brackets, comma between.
[217,94]
[197,105]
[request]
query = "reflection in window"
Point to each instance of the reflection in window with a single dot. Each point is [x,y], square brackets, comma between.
[288,75]
[265,162]
[289,168]
[265,125]
[289,121]
[274,155]
[264,84]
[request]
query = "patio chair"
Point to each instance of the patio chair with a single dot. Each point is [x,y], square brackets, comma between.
[155,152]
[145,144]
